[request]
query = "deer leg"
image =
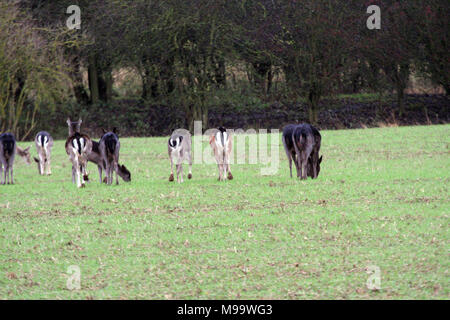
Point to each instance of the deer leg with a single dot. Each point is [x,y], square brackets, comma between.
[299,167]
[1,173]
[181,172]
[190,166]
[11,172]
[7,173]
[171,169]
[41,164]
[49,168]
[107,170]
[116,167]
[304,169]
[73,174]
[294,159]
[305,156]
[227,168]
[100,173]
[290,165]
[111,173]
[82,173]
[4,176]
[178,172]
[76,168]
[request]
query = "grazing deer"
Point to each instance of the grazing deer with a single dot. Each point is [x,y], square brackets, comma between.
[8,149]
[179,148]
[78,147]
[288,144]
[109,147]
[314,161]
[306,140]
[44,144]
[221,143]
[96,157]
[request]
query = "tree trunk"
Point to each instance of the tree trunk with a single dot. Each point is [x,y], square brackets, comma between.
[261,71]
[400,98]
[401,79]
[269,80]
[93,80]
[109,86]
[220,74]
[313,103]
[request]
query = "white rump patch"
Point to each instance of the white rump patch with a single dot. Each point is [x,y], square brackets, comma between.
[219,139]
[175,142]
[75,144]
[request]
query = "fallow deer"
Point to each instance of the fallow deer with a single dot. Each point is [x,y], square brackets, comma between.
[179,149]
[96,157]
[8,150]
[78,147]
[306,140]
[221,143]
[44,144]
[109,147]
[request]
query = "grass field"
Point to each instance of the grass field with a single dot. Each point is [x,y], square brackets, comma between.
[381,199]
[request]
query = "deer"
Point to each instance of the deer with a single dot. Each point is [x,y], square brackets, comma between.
[44,144]
[78,147]
[221,143]
[109,147]
[96,157]
[8,150]
[179,149]
[288,144]
[306,140]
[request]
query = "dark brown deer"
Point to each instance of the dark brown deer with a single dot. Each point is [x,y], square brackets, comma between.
[96,157]
[109,147]
[313,165]
[8,150]
[306,140]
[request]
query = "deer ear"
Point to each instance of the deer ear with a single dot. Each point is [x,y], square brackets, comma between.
[114,130]
[26,149]
[103,130]
[320,159]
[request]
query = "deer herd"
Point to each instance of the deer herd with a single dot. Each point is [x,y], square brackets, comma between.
[301,143]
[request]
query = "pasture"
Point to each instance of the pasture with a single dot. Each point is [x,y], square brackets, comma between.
[381,200]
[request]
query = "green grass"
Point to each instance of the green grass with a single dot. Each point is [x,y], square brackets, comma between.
[381,199]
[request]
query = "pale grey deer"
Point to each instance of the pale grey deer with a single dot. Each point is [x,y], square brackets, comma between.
[44,144]
[222,144]
[179,149]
